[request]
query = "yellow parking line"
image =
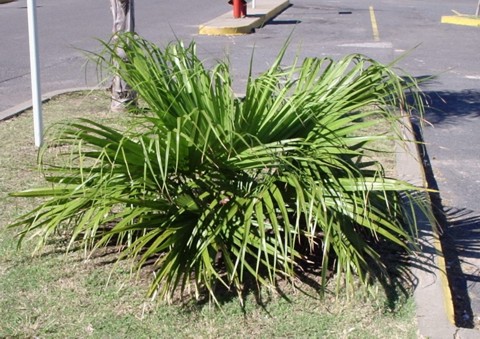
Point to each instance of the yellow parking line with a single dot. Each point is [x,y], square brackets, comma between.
[376,34]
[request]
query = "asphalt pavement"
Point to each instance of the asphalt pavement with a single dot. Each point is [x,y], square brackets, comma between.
[448,56]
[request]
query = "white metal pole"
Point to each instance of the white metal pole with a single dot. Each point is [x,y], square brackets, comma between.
[34,70]
[253,3]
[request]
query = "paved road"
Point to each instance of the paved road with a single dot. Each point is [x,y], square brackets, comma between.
[68,26]
[328,27]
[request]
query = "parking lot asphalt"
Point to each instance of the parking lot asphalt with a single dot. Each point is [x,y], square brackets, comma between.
[446,55]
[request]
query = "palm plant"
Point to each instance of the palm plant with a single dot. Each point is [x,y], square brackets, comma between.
[214,188]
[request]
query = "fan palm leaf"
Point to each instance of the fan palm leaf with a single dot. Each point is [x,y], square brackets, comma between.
[216,188]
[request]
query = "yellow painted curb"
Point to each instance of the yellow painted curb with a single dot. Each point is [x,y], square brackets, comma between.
[256,17]
[461,20]
[447,293]
[225,28]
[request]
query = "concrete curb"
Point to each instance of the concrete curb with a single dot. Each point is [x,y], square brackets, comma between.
[20,108]
[256,17]
[434,306]
[433,298]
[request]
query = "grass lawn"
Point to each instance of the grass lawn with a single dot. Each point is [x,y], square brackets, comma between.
[56,295]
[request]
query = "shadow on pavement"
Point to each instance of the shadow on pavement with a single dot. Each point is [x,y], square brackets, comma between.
[459,229]
[463,234]
[283,22]
[443,107]
[461,244]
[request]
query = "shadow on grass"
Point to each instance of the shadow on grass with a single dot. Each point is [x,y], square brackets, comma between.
[396,282]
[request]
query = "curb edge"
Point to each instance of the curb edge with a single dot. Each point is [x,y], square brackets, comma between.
[434,281]
[226,25]
[20,108]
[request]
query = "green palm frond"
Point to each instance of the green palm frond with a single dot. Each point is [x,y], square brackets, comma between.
[215,188]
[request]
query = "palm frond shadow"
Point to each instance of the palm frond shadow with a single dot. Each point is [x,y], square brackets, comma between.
[464,225]
[444,107]
[461,246]
[460,241]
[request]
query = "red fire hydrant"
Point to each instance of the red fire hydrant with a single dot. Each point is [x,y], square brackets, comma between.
[239,8]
